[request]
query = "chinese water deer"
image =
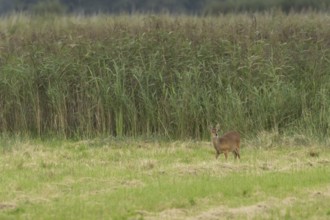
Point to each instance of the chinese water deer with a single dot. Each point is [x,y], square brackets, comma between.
[229,142]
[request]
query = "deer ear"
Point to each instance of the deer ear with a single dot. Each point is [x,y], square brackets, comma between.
[218,127]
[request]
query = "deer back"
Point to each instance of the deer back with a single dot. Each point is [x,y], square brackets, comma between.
[229,141]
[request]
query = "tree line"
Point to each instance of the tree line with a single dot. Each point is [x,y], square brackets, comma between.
[200,7]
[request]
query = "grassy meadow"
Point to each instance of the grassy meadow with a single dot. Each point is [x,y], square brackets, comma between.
[147,179]
[107,117]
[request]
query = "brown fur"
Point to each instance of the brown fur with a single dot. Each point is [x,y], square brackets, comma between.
[229,142]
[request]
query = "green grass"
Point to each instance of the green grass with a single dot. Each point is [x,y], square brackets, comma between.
[172,76]
[121,179]
[147,81]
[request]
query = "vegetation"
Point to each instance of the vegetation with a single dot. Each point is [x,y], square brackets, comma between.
[167,76]
[179,6]
[135,179]
[139,80]
[230,6]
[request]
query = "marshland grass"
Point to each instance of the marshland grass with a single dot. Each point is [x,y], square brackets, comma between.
[150,179]
[146,82]
[134,75]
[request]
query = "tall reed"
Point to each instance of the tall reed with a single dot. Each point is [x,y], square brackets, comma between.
[162,75]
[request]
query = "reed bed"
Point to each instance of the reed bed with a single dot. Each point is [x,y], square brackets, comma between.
[161,75]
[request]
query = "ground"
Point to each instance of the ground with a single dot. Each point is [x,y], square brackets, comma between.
[150,179]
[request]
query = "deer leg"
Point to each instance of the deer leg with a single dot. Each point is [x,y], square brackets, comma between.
[237,153]
[226,154]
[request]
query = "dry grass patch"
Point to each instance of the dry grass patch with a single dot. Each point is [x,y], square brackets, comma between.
[7,206]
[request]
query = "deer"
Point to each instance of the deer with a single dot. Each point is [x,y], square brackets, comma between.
[229,142]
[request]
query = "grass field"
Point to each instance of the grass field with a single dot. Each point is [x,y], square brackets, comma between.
[149,84]
[148,179]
